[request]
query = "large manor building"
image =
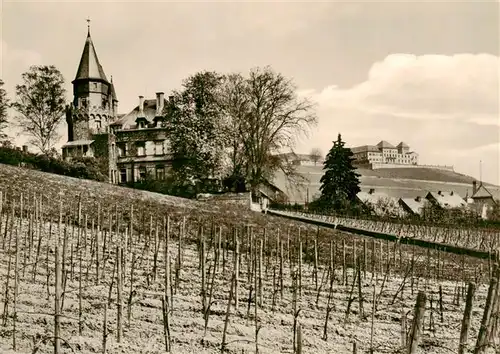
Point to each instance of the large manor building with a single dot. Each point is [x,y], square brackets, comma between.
[134,144]
[384,153]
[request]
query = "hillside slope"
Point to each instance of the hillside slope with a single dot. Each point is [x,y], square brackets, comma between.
[395,182]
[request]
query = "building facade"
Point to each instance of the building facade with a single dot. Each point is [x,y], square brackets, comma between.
[384,153]
[133,145]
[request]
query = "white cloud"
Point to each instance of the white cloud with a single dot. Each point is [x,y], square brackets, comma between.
[445,107]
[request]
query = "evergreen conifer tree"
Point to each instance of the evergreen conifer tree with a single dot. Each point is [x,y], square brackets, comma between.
[340,182]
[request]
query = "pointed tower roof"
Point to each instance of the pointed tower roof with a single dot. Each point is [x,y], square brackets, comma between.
[113,92]
[89,67]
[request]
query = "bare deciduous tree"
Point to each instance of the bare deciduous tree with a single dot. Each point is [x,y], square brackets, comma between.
[266,117]
[4,104]
[40,103]
[316,155]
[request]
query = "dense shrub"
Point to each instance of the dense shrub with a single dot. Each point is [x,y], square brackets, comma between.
[86,168]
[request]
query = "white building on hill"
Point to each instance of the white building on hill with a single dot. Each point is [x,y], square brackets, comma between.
[385,153]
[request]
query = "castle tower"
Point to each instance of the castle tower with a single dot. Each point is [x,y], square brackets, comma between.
[94,98]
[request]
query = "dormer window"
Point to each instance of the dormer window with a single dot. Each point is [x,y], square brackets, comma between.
[141,122]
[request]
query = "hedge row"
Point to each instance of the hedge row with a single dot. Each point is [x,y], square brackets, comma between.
[86,168]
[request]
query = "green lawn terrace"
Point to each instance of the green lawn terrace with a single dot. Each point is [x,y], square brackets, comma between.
[394,182]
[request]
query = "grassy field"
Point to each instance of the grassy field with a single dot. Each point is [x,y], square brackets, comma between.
[395,182]
[287,264]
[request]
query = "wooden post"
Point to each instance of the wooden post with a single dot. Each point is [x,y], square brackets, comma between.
[119,288]
[57,298]
[482,337]
[466,319]
[236,273]
[416,327]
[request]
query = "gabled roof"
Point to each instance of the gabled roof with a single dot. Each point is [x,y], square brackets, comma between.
[482,192]
[385,145]
[403,144]
[381,203]
[128,120]
[447,200]
[415,205]
[89,67]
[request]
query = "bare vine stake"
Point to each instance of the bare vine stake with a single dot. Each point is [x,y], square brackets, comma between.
[179,255]
[166,304]
[105,324]
[260,274]
[299,339]
[281,270]
[97,243]
[403,328]
[300,269]
[256,318]
[228,312]
[203,273]
[374,309]
[213,273]
[156,249]
[7,223]
[80,292]
[296,311]
[58,291]
[344,270]
[236,273]
[464,332]
[441,310]
[351,298]
[373,259]
[131,291]
[7,281]
[119,289]
[316,263]
[416,327]
[16,286]
[360,292]
[328,307]
[364,258]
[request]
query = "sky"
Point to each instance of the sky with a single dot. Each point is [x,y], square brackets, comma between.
[422,72]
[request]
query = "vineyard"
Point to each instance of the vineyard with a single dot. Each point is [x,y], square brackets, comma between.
[88,278]
[481,239]
[92,268]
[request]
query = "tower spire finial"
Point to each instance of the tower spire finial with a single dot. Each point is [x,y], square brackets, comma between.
[88,25]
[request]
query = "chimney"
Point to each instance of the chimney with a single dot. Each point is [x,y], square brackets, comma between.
[160,99]
[141,106]
[418,199]
[25,148]
[474,187]
[371,191]
[439,192]
[451,193]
